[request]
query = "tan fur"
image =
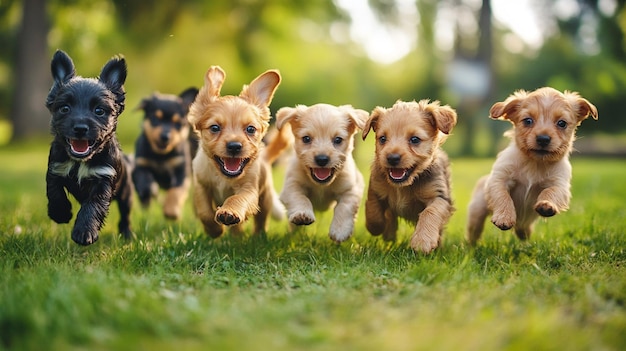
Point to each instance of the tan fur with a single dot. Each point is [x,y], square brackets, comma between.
[529,179]
[175,200]
[323,132]
[220,121]
[420,192]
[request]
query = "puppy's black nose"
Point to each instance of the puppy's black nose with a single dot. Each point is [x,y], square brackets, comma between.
[543,140]
[393,159]
[81,129]
[322,160]
[165,137]
[234,147]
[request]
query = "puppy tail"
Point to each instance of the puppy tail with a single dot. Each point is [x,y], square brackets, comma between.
[279,140]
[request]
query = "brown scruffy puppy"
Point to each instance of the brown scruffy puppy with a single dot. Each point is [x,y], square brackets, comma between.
[322,173]
[410,175]
[231,170]
[531,177]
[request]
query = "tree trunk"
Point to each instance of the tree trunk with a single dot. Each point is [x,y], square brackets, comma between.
[32,73]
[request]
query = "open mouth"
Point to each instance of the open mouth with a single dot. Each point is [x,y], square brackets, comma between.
[399,175]
[80,147]
[322,174]
[232,166]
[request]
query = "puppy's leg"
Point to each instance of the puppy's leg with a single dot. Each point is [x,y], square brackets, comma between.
[266,204]
[374,213]
[500,201]
[477,213]
[175,200]
[342,225]
[299,207]
[124,204]
[235,208]
[92,212]
[144,183]
[553,200]
[427,234]
[391,225]
[59,206]
[203,206]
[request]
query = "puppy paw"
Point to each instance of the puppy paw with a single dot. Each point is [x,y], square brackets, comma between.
[339,233]
[503,221]
[84,237]
[302,218]
[425,243]
[60,214]
[226,217]
[545,209]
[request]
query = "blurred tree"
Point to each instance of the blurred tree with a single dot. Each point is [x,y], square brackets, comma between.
[31,74]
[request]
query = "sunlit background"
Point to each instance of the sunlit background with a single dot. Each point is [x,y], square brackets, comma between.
[465,53]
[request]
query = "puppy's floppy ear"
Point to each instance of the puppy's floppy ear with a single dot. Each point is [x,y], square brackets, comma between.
[188,96]
[445,117]
[508,108]
[261,90]
[581,106]
[357,116]
[62,67]
[286,114]
[372,120]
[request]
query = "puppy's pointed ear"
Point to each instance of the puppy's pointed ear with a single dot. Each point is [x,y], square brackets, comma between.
[508,108]
[114,73]
[445,117]
[213,81]
[372,120]
[357,116]
[582,107]
[287,114]
[62,67]
[188,96]
[261,90]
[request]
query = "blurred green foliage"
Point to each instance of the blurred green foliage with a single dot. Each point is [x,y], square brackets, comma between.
[169,46]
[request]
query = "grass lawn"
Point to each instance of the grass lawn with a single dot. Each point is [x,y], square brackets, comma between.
[174,288]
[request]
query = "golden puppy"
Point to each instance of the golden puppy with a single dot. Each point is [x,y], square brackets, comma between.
[531,177]
[410,175]
[322,173]
[232,175]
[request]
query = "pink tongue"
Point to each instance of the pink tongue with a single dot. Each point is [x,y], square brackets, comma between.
[80,145]
[232,164]
[397,173]
[322,173]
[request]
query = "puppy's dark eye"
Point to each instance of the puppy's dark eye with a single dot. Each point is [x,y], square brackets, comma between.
[337,140]
[415,140]
[250,130]
[215,128]
[306,139]
[528,121]
[64,109]
[561,124]
[382,140]
[99,111]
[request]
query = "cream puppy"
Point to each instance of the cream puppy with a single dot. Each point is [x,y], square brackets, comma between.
[531,177]
[322,173]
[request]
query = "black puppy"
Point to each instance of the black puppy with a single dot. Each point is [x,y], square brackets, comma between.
[163,151]
[85,156]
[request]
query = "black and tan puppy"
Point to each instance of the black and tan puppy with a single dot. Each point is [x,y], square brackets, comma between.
[85,156]
[163,151]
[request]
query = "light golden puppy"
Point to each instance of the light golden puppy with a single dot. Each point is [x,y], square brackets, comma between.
[232,175]
[531,177]
[410,175]
[322,173]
